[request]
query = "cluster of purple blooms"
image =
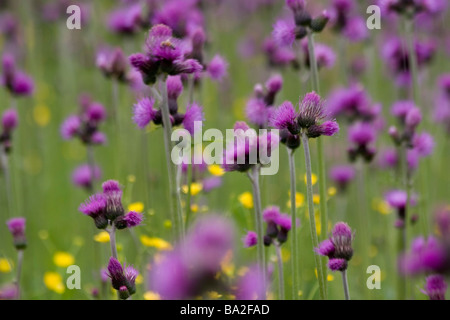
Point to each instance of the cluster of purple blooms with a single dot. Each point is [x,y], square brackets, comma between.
[191,268]
[145,111]
[260,107]
[17,82]
[431,256]
[338,248]
[85,125]
[106,208]
[248,149]
[278,226]
[123,278]
[311,119]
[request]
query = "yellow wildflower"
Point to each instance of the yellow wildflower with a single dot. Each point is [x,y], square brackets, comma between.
[150,295]
[102,237]
[157,243]
[313,178]
[5,265]
[246,199]
[136,207]
[196,188]
[63,259]
[216,170]
[53,281]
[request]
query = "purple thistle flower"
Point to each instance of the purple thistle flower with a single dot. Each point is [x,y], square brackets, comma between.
[423,143]
[10,120]
[98,138]
[144,112]
[250,239]
[113,195]
[326,248]
[84,176]
[435,287]
[70,127]
[424,256]
[413,118]
[389,158]
[126,20]
[217,68]
[397,199]
[361,134]
[112,62]
[342,238]
[174,87]
[284,33]
[193,113]
[356,30]
[251,286]
[325,56]
[95,113]
[328,128]
[257,112]
[130,220]
[311,111]
[342,175]
[337,264]
[271,214]
[400,109]
[22,84]
[211,183]
[130,275]
[296,5]
[115,272]
[17,228]
[274,84]
[9,292]
[95,207]
[284,221]
[353,103]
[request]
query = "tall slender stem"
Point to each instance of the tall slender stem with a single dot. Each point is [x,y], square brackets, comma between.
[412,58]
[320,153]
[254,178]
[115,102]
[402,241]
[345,284]
[19,271]
[167,128]
[91,164]
[312,222]
[188,198]
[112,241]
[7,174]
[179,209]
[294,242]
[280,272]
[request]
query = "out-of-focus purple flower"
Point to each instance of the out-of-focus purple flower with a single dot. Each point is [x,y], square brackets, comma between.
[174,87]
[217,68]
[356,29]
[10,120]
[95,113]
[388,158]
[211,183]
[98,138]
[342,175]
[425,255]
[325,56]
[84,176]
[250,239]
[144,112]
[70,127]
[284,32]
[194,113]
[400,109]
[361,135]
[8,292]
[22,84]
[279,56]
[190,268]
[17,228]
[397,199]
[113,63]
[252,285]
[257,112]
[126,20]
[435,287]
[423,143]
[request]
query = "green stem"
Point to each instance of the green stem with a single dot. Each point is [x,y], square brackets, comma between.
[345,284]
[112,241]
[412,58]
[280,272]
[7,174]
[188,197]
[254,178]
[320,152]
[294,242]
[19,271]
[91,164]
[179,208]
[312,221]
[167,130]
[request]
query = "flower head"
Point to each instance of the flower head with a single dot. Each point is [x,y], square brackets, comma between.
[95,207]
[144,112]
[435,287]
[83,176]
[217,68]
[17,228]
[250,239]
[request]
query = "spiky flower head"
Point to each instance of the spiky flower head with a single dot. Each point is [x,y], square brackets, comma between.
[17,228]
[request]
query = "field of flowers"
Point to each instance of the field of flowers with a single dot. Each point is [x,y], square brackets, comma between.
[339,192]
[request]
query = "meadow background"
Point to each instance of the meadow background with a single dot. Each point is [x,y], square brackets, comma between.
[62,65]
